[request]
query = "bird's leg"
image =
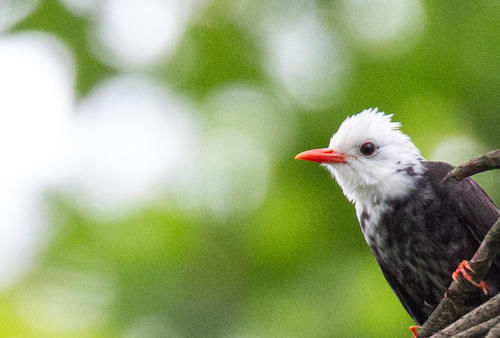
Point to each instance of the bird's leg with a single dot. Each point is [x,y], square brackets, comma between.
[463,269]
[414,330]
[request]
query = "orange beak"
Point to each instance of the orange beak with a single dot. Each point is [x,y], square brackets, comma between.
[322,155]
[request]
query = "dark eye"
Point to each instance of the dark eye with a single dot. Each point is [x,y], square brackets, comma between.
[367,148]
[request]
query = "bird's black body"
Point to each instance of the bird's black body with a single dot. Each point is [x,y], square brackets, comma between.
[418,228]
[420,239]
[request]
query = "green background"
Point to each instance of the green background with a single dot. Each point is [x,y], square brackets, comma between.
[296,265]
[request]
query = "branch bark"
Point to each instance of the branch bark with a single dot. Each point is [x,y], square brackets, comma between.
[477,316]
[479,330]
[488,161]
[461,292]
[494,332]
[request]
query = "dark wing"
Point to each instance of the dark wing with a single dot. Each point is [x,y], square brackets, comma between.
[405,297]
[479,213]
[477,208]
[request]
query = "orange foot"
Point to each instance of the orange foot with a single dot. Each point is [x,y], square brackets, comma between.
[463,269]
[414,330]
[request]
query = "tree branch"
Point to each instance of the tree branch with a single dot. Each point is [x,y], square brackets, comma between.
[494,332]
[479,330]
[479,315]
[488,161]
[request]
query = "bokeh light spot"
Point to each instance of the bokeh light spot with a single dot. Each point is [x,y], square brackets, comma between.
[306,60]
[253,111]
[385,28]
[65,300]
[36,101]
[13,11]
[131,135]
[135,33]
[230,175]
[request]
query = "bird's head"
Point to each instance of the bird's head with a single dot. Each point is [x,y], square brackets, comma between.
[370,157]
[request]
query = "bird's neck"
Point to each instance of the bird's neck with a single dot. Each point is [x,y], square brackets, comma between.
[375,187]
[372,201]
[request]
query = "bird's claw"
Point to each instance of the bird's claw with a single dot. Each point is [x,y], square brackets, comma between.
[463,269]
[414,330]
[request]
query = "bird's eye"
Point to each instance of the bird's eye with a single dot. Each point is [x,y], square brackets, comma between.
[367,148]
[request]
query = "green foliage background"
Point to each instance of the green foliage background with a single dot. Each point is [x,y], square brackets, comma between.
[297,266]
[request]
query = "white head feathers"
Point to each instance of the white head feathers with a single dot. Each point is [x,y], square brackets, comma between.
[389,172]
[369,123]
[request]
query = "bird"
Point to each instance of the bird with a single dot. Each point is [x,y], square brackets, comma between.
[419,228]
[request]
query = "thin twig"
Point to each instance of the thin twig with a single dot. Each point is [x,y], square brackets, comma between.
[488,161]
